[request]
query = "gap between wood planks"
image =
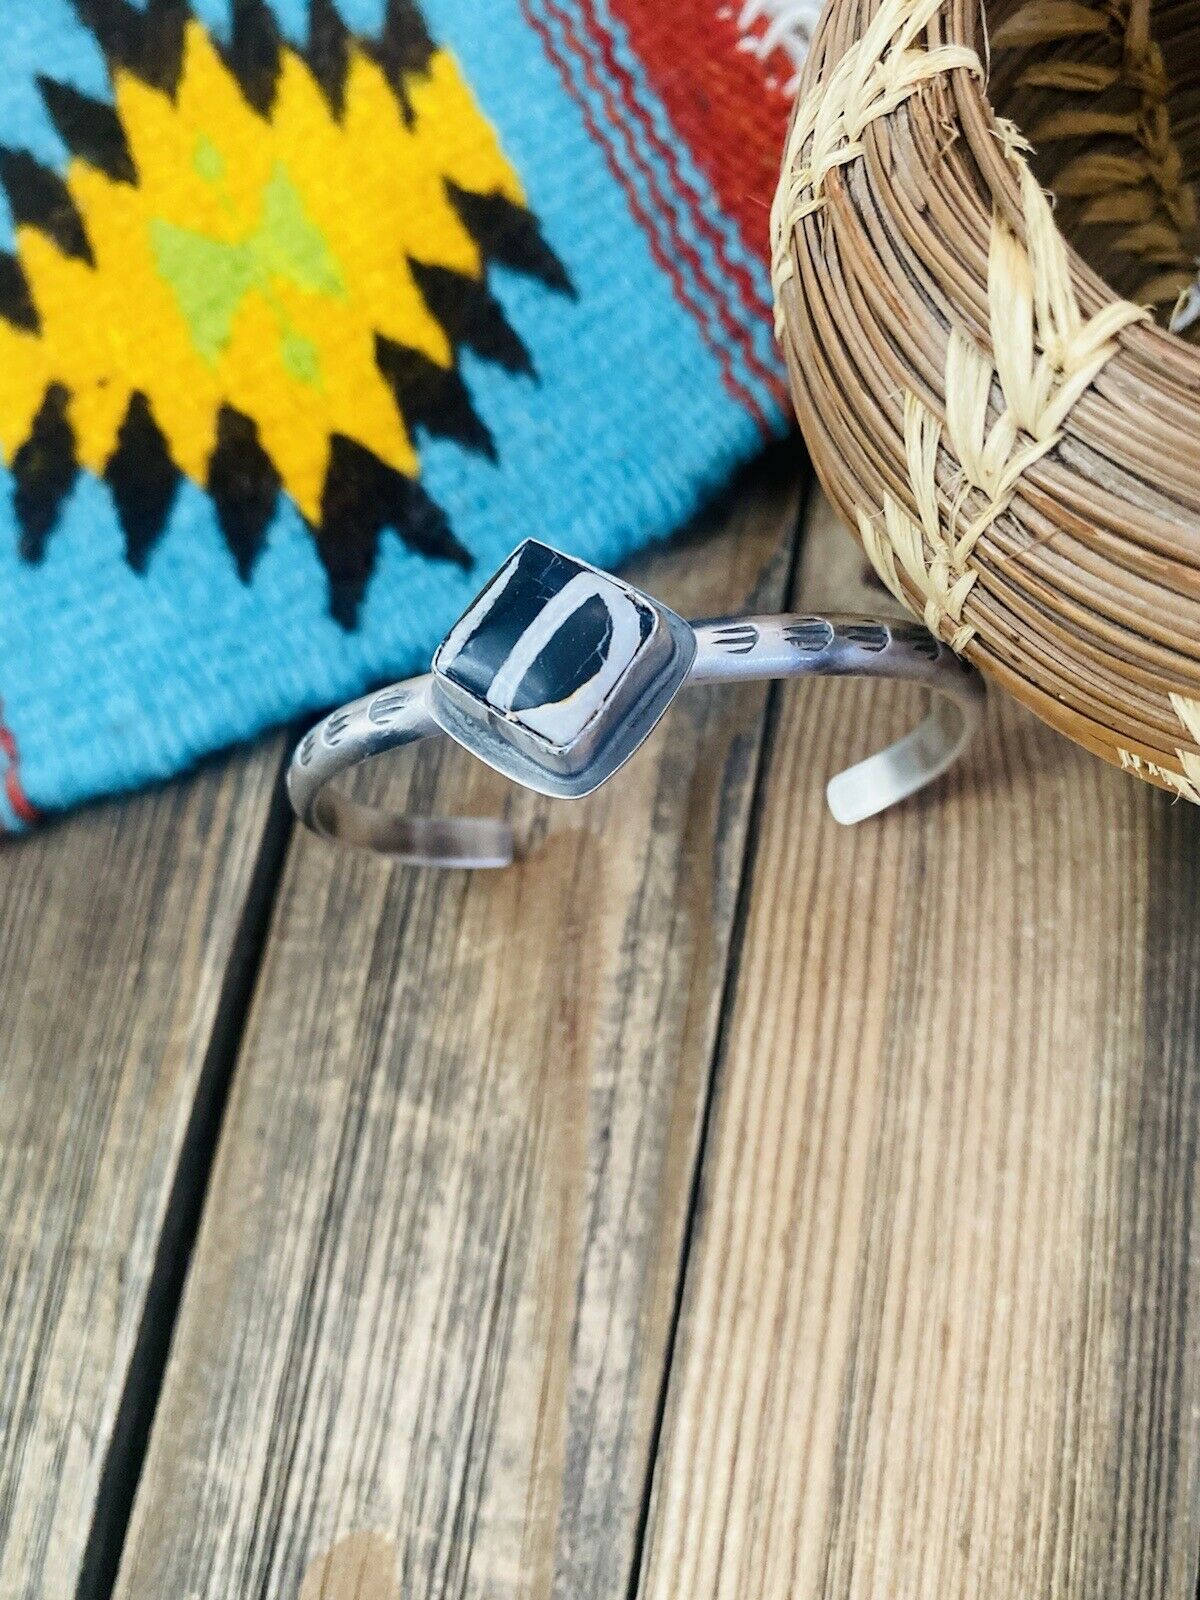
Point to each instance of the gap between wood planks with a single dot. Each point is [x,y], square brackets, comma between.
[728,991]
[144,1375]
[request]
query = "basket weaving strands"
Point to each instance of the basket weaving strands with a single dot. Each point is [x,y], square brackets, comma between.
[985,375]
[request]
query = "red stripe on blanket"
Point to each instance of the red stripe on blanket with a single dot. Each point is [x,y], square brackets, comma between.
[22,807]
[729,106]
[737,275]
[663,258]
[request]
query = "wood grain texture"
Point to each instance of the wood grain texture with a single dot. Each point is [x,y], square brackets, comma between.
[422,1344]
[119,943]
[939,1333]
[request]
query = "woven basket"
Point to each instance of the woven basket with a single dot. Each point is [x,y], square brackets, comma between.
[984,372]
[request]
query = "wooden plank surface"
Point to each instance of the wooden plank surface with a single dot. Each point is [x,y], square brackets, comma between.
[939,1333]
[124,935]
[422,1344]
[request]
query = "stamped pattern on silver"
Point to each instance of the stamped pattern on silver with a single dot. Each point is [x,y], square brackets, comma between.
[738,639]
[388,703]
[870,636]
[916,638]
[335,728]
[809,634]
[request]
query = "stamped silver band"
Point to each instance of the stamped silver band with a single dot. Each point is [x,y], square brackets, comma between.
[735,650]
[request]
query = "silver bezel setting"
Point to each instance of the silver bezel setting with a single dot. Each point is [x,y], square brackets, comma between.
[613,731]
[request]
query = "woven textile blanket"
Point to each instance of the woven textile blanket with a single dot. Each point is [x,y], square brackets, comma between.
[310,310]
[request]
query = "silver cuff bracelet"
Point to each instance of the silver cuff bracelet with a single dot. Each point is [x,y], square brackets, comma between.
[558,672]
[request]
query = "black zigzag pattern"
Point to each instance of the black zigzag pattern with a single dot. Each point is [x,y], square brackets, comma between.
[253,53]
[146,40]
[244,486]
[508,235]
[403,49]
[89,129]
[362,496]
[143,480]
[43,469]
[16,302]
[433,397]
[471,315]
[39,198]
[329,52]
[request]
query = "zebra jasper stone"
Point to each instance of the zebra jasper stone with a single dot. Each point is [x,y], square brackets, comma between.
[548,645]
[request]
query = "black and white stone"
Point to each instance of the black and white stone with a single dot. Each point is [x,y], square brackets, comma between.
[548,644]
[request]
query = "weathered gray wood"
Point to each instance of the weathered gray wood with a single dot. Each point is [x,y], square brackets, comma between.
[119,963]
[423,1338]
[941,1326]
